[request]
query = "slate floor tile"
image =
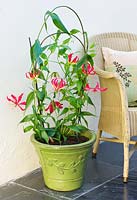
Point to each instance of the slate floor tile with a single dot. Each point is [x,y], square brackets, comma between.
[115,190]
[112,153]
[96,173]
[13,191]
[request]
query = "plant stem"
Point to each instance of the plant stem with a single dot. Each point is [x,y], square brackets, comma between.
[30,42]
[40,30]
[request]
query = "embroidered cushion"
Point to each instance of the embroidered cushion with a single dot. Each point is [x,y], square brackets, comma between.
[125,64]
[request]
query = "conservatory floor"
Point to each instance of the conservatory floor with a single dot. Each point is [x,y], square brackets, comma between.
[103,180]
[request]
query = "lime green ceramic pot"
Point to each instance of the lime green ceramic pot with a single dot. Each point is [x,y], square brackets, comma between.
[63,165]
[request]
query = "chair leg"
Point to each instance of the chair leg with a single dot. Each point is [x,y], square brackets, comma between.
[96,145]
[126,162]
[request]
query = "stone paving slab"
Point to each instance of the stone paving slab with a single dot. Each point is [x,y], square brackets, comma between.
[97,173]
[12,191]
[115,189]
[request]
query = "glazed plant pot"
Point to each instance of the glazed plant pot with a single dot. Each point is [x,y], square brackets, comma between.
[63,165]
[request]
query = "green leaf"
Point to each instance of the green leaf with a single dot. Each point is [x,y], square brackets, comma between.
[93,55]
[81,127]
[45,47]
[57,35]
[74,128]
[71,116]
[34,109]
[44,90]
[92,51]
[27,118]
[43,67]
[89,58]
[72,101]
[89,100]
[40,118]
[74,31]
[28,128]
[80,102]
[81,61]
[62,50]
[65,110]
[39,61]
[41,76]
[29,100]
[79,85]
[85,120]
[52,47]
[66,41]
[35,51]
[50,131]
[85,113]
[45,23]
[44,56]
[45,62]
[40,95]
[92,45]
[45,136]
[64,138]
[57,21]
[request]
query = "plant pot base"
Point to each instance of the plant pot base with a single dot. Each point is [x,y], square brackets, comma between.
[65,186]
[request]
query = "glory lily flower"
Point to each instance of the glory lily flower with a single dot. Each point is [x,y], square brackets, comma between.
[17,101]
[97,88]
[32,75]
[87,87]
[58,83]
[53,105]
[74,60]
[88,70]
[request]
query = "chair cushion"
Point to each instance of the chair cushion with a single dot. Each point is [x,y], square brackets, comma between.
[133,121]
[125,64]
[122,57]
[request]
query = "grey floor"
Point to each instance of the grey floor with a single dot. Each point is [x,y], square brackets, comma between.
[103,180]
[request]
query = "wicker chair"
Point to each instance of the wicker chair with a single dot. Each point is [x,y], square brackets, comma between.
[116,118]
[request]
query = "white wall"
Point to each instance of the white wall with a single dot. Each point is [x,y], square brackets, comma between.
[19,20]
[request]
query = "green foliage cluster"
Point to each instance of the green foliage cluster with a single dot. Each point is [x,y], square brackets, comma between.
[69,117]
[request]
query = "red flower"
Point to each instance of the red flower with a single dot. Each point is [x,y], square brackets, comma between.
[50,108]
[58,84]
[58,104]
[87,87]
[74,60]
[32,75]
[17,101]
[97,88]
[88,70]
[53,105]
